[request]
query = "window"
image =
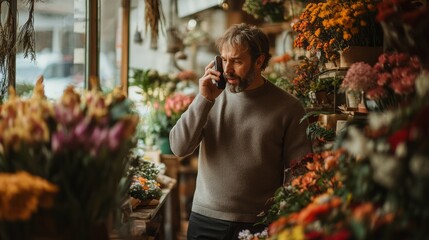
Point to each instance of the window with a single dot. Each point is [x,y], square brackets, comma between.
[71,45]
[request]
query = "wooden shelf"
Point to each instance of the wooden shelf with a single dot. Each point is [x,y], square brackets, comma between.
[275,28]
[144,222]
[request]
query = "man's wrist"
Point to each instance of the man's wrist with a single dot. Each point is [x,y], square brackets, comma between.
[208,99]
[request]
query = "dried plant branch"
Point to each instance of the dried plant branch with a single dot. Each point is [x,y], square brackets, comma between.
[8,44]
[7,49]
[154,18]
[26,34]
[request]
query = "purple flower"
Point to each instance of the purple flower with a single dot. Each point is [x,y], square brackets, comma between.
[97,140]
[115,135]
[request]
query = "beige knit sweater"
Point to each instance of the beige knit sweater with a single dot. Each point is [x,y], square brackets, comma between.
[246,140]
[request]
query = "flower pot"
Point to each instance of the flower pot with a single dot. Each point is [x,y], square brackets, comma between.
[360,54]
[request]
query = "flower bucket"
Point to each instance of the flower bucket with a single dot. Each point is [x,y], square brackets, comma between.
[360,54]
[164,145]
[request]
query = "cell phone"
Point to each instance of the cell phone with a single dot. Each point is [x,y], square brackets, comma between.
[221,84]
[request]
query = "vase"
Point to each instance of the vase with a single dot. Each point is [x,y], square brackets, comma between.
[353,99]
[355,54]
[332,64]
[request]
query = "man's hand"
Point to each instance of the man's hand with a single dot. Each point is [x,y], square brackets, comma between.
[207,88]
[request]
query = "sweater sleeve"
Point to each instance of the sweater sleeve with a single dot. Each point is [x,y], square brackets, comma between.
[296,141]
[187,134]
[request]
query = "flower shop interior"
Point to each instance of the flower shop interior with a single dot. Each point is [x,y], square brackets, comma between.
[90,89]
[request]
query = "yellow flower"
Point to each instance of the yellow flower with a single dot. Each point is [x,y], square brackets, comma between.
[39,89]
[296,233]
[22,194]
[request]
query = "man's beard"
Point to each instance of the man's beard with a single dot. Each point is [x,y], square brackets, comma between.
[243,83]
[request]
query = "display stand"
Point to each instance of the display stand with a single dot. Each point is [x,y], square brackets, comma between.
[185,171]
[145,222]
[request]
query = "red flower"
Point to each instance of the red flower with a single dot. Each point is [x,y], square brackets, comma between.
[340,235]
[313,235]
[399,137]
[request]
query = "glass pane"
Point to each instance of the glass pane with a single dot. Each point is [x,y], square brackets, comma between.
[110,44]
[60,28]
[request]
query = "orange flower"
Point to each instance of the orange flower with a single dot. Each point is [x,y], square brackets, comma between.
[321,204]
[334,19]
[363,211]
[22,194]
[281,59]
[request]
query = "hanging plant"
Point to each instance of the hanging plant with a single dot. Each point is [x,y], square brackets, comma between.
[9,40]
[154,17]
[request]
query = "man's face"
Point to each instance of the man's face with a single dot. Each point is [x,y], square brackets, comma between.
[239,70]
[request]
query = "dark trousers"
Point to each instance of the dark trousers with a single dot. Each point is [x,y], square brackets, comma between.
[206,228]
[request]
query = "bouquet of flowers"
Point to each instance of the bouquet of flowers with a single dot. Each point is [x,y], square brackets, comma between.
[165,97]
[381,177]
[24,195]
[163,116]
[175,105]
[79,145]
[405,25]
[331,26]
[306,73]
[389,83]
[372,187]
[360,77]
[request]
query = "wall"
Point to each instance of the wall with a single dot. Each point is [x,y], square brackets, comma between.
[212,21]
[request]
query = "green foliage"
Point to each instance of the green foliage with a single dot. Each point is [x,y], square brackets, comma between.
[142,168]
[24,89]
[315,131]
[155,86]
[272,9]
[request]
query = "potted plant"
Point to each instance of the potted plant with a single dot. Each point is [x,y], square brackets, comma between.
[165,98]
[162,116]
[332,26]
[388,84]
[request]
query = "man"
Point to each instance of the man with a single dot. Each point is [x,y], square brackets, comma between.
[247,134]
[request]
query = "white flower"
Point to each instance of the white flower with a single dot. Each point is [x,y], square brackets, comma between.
[382,146]
[357,144]
[263,234]
[422,84]
[378,120]
[419,165]
[401,150]
[386,169]
[245,235]
[282,204]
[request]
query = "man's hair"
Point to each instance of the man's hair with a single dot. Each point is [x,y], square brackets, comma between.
[249,38]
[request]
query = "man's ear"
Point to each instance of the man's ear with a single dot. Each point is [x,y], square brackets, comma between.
[260,60]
